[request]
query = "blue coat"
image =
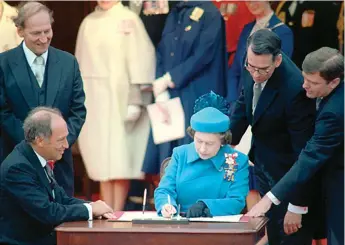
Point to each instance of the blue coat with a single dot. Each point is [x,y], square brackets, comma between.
[325,150]
[194,53]
[189,179]
[234,84]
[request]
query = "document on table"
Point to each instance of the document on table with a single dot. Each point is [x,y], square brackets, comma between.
[219,219]
[129,216]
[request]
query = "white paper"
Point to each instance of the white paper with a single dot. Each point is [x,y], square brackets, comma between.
[223,219]
[129,216]
[174,128]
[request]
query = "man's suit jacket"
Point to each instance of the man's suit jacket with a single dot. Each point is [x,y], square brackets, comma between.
[17,98]
[28,212]
[325,150]
[282,123]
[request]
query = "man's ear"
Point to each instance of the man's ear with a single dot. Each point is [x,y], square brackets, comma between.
[20,32]
[278,60]
[39,141]
[334,83]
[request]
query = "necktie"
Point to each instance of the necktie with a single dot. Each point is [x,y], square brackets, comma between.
[318,101]
[257,89]
[39,69]
[50,175]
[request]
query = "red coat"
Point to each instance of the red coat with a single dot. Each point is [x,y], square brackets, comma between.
[236,16]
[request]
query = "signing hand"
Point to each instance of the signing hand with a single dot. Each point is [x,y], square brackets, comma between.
[261,208]
[292,222]
[168,210]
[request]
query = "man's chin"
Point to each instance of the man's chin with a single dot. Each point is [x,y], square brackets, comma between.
[309,95]
[58,157]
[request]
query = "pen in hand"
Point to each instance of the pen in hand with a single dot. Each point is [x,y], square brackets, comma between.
[171,215]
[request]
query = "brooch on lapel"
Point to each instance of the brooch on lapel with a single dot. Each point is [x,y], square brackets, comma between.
[230,166]
[196,14]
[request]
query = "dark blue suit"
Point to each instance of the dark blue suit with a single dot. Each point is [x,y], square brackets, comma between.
[282,123]
[28,211]
[234,85]
[194,53]
[325,151]
[19,93]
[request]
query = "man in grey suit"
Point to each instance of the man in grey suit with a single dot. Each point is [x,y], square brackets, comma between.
[36,74]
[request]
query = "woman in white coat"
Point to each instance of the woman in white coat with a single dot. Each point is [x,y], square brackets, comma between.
[8,31]
[116,56]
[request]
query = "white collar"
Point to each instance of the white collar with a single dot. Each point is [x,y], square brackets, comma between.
[41,159]
[263,84]
[30,56]
[114,8]
[263,22]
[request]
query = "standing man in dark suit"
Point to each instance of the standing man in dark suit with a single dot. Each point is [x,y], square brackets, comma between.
[32,203]
[323,72]
[35,74]
[281,116]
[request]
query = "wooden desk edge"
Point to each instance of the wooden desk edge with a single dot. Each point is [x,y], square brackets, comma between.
[178,229]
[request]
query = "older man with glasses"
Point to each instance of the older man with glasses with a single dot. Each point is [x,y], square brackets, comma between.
[275,105]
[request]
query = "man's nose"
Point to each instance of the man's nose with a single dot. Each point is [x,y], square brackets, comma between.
[43,39]
[256,74]
[66,145]
[305,85]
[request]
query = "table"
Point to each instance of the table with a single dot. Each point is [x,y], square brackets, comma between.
[102,232]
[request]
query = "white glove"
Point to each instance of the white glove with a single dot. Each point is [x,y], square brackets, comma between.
[133,113]
[161,84]
[162,97]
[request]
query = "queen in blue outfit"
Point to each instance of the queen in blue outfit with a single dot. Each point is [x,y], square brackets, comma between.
[206,177]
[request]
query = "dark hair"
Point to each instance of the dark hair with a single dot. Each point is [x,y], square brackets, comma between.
[225,137]
[328,61]
[264,41]
[39,125]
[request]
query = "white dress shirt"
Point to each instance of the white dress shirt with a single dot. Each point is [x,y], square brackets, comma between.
[44,163]
[30,57]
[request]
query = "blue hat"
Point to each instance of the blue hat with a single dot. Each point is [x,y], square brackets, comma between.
[212,99]
[210,120]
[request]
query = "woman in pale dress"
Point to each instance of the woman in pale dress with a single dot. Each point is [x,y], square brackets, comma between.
[8,31]
[116,56]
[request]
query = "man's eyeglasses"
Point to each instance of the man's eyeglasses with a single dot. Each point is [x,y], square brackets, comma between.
[261,71]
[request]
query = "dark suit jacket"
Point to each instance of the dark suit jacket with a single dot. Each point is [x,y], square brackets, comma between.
[64,91]
[324,149]
[28,212]
[282,123]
